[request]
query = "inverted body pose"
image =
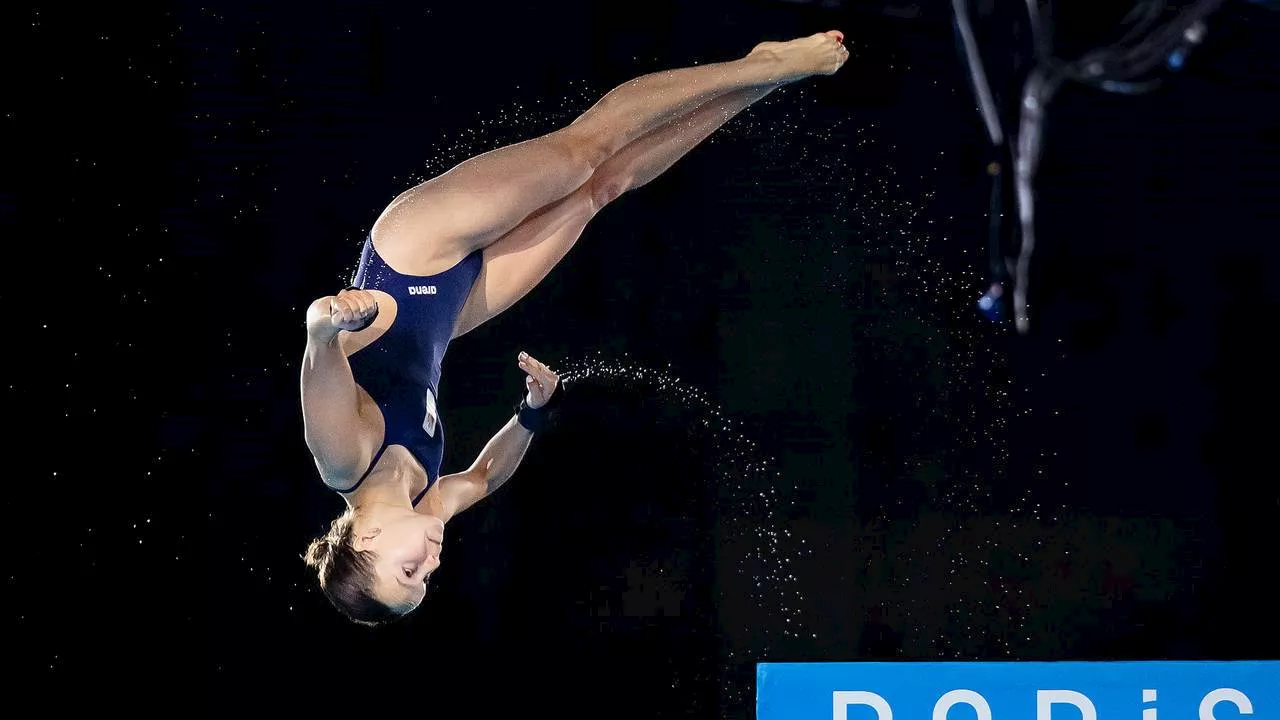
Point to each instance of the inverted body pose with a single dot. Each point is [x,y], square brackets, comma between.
[448,255]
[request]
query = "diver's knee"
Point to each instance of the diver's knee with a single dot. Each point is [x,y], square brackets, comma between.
[586,148]
[606,188]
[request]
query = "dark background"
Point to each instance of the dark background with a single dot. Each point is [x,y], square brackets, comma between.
[798,440]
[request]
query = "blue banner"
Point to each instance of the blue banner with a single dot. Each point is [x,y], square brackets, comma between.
[1019,691]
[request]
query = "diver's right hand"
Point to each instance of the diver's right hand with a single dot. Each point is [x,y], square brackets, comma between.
[351,309]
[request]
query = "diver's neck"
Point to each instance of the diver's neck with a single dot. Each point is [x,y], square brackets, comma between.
[374,508]
[387,485]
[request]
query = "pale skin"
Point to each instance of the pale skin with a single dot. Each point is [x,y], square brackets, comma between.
[524,206]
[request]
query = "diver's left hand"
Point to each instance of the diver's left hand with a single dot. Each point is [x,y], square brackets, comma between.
[540,381]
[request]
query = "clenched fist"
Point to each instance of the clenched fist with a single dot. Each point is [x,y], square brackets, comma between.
[351,309]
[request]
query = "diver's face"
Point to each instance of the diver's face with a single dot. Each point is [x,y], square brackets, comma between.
[407,549]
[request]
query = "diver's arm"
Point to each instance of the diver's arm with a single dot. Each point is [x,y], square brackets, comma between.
[335,434]
[495,465]
[502,454]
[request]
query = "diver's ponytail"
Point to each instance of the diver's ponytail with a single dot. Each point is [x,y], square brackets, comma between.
[319,554]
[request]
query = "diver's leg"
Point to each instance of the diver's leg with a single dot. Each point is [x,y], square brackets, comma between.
[522,258]
[433,225]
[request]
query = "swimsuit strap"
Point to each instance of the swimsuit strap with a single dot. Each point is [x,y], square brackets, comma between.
[423,493]
[366,472]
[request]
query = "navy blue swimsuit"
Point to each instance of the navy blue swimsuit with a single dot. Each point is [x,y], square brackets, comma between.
[401,369]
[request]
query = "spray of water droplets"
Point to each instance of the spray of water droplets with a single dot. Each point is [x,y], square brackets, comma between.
[752,505]
[749,487]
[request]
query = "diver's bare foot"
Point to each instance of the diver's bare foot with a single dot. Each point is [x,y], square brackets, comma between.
[818,54]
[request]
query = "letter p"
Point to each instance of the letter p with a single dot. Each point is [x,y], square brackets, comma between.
[842,699]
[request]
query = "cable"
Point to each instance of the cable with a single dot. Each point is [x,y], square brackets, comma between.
[1121,67]
[986,105]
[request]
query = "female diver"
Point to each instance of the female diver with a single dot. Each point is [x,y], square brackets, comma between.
[451,253]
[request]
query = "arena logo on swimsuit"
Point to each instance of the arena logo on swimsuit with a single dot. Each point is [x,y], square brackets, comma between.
[422,289]
[1155,690]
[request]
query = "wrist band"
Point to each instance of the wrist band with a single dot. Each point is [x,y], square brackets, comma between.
[535,419]
[369,320]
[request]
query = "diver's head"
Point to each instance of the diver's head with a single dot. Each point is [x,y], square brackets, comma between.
[374,561]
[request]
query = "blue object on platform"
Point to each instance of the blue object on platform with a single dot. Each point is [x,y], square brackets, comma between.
[992,306]
[1157,690]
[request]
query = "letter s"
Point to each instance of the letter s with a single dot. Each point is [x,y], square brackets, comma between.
[1221,695]
[842,699]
